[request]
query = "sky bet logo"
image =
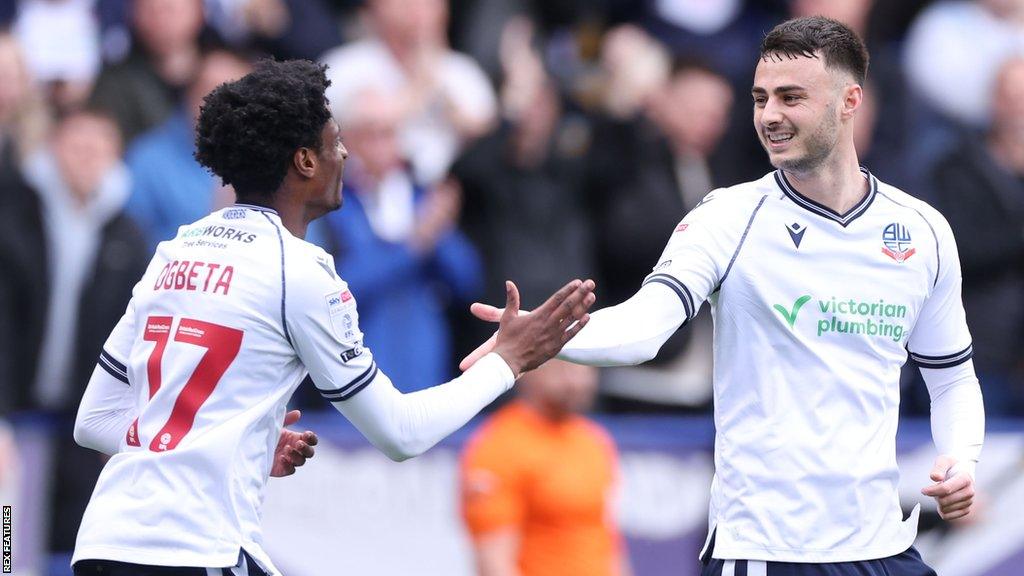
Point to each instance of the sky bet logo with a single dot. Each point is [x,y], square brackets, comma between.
[848,316]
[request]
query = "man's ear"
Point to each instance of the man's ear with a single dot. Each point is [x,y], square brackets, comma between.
[853,97]
[305,162]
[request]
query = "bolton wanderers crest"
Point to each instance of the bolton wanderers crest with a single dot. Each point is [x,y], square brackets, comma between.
[896,242]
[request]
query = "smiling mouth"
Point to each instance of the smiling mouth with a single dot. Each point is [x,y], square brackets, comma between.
[779,138]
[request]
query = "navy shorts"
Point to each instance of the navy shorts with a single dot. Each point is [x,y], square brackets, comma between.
[908,563]
[246,567]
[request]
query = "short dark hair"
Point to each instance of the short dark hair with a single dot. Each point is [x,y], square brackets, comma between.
[840,46]
[249,129]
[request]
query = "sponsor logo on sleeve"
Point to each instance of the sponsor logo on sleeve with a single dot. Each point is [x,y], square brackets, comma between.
[341,307]
[339,302]
[351,353]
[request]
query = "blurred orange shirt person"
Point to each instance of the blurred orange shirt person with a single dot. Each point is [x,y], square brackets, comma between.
[538,482]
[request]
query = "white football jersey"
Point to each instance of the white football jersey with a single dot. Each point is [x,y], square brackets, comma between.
[814,315]
[219,332]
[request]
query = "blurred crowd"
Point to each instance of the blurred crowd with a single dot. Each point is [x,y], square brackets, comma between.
[490,139]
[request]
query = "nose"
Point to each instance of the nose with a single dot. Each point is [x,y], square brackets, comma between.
[344,152]
[771,114]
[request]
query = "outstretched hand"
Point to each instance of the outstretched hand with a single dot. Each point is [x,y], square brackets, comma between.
[526,340]
[293,448]
[953,489]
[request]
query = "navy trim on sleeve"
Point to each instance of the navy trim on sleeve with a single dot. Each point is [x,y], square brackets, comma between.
[352,388]
[678,287]
[113,367]
[945,361]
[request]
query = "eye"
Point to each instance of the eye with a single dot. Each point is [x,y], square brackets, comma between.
[760,101]
[791,98]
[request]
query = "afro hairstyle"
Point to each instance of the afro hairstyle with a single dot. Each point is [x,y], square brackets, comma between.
[248,130]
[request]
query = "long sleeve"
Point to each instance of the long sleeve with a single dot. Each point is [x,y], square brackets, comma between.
[406,425]
[941,345]
[628,333]
[323,321]
[109,404]
[957,412]
[107,410]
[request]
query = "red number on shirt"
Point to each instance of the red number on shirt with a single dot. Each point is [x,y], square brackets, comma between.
[158,329]
[222,345]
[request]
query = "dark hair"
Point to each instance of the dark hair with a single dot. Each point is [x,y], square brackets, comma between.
[249,129]
[840,46]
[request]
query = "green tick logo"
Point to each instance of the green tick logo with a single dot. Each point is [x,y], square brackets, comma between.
[790,315]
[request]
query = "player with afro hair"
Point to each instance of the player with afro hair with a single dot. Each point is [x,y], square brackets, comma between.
[271,136]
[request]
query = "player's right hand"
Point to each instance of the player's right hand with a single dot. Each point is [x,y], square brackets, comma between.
[526,341]
[293,448]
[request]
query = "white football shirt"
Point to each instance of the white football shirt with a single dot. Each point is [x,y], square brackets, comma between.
[219,332]
[814,315]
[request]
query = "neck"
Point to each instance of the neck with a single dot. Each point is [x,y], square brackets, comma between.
[836,185]
[293,216]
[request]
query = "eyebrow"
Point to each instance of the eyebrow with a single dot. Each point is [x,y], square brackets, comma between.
[778,90]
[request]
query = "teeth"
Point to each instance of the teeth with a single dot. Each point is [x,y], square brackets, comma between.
[779,137]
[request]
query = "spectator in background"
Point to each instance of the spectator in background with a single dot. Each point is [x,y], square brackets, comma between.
[145,89]
[443,98]
[538,482]
[94,255]
[284,28]
[979,187]
[23,283]
[169,188]
[62,44]
[24,117]
[633,66]
[961,43]
[526,208]
[645,171]
[398,248]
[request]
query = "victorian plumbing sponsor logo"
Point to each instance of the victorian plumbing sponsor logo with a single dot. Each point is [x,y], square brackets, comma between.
[849,316]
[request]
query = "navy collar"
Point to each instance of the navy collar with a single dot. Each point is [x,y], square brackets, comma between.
[255,207]
[824,211]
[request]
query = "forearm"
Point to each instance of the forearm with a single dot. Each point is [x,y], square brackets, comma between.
[629,333]
[957,412]
[406,425]
[106,412]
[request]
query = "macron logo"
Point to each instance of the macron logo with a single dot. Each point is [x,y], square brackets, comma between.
[796,233]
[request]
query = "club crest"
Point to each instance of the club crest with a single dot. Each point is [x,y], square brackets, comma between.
[897,243]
